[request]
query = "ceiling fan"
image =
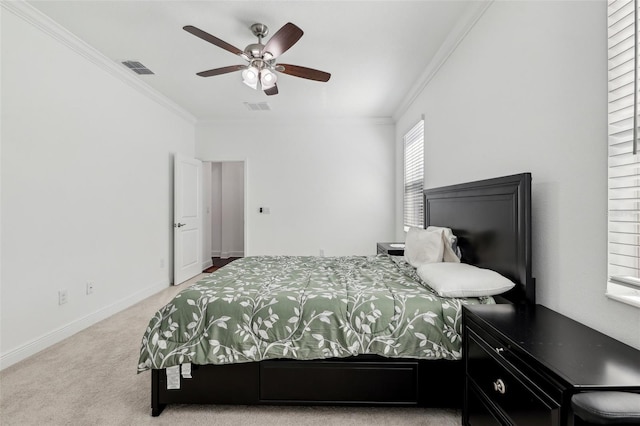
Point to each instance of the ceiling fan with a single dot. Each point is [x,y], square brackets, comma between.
[260,72]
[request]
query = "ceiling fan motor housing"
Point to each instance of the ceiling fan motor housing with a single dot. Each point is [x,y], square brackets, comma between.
[254,50]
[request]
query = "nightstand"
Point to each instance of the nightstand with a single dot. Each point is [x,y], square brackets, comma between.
[523,364]
[386,248]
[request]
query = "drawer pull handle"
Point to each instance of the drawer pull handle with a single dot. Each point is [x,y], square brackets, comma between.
[499,386]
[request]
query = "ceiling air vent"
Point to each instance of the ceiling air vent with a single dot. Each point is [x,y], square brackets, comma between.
[137,67]
[258,106]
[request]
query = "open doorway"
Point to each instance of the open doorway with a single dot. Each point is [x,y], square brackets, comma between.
[224,198]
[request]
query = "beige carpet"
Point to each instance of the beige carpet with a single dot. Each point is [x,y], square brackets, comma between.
[90,379]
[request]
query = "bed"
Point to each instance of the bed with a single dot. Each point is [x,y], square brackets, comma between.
[363,343]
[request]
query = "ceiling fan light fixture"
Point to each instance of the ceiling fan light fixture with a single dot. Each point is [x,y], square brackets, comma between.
[250,77]
[268,78]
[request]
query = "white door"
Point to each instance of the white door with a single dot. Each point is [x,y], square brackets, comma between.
[187,220]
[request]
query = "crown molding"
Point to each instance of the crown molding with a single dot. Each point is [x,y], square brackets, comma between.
[305,120]
[48,26]
[473,13]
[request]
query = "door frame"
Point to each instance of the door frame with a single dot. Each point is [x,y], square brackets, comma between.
[245,161]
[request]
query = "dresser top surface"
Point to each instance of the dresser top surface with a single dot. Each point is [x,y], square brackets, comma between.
[581,356]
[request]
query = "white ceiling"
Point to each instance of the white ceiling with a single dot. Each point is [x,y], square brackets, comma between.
[374,50]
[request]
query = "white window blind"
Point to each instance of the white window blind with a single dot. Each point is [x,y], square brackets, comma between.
[414,175]
[624,164]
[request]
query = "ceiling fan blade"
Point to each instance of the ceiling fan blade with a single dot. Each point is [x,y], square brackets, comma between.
[214,40]
[283,39]
[303,72]
[223,70]
[272,90]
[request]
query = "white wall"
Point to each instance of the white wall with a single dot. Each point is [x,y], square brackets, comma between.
[226,193]
[86,190]
[527,91]
[216,210]
[208,194]
[329,184]
[232,203]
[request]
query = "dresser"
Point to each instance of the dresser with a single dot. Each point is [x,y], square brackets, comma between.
[523,364]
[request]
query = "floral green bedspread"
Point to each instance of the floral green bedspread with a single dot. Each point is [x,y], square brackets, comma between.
[268,307]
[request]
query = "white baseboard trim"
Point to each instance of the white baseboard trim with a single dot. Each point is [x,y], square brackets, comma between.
[227,254]
[48,339]
[215,254]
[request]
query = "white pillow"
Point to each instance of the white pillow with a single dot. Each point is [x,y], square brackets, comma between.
[451,243]
[421,247]
[463,280]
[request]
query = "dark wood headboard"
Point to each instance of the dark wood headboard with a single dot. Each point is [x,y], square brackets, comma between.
[492,220]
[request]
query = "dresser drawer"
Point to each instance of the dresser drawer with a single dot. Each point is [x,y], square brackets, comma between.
[519,399]
[477,411]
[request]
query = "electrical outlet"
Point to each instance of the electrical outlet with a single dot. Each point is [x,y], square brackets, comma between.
[162,263]
[62,296]
[89,287]
[321,252]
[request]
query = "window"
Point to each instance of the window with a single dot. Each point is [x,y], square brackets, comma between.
[624,161]
[414,176]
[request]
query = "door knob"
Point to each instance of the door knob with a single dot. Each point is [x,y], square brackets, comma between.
[178,225]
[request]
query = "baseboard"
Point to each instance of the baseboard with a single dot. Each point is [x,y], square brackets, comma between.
[227,254]
[36,345]
[215,254]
